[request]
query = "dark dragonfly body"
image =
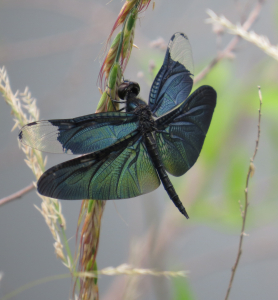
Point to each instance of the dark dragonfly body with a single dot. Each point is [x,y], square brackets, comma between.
[129,91]
[130,152]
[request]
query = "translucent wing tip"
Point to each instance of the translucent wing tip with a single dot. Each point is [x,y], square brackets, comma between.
[176,37]
[177,34]
[22,133]
[180,50]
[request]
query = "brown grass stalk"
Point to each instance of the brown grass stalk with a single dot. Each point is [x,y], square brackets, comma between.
[111,70]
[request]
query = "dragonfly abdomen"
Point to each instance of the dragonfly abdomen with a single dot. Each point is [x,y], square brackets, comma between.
[155,157]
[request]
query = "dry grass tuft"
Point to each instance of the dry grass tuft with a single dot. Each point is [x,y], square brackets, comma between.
[24,110]
[258,40]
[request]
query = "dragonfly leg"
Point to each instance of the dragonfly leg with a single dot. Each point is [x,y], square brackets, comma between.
[121,109]
[118,101]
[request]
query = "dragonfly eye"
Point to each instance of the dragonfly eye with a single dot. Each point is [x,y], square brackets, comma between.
[136,88]
[128,87]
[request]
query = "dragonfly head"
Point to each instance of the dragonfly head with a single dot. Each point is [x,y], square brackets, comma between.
[128,89]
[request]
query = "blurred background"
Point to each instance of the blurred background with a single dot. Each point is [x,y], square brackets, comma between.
[55,47]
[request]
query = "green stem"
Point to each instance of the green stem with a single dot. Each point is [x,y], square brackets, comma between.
[66,244]
[121,41]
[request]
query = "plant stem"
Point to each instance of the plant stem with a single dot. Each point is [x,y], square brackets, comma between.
[246,202]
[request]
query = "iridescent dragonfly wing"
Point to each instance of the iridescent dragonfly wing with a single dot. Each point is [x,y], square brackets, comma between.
[121,171]
[174,80]
[79,135]
[182,131]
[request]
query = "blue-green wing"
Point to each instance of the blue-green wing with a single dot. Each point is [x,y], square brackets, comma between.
[121,171]
[182,132]
[173,82]
[80,135]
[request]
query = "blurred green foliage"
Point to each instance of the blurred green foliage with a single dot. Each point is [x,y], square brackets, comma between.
[231,142]
[182,289]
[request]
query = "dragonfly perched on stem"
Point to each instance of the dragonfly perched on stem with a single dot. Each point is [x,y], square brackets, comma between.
[130,152]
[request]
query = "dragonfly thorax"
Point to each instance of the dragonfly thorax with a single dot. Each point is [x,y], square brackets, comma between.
[146,121]
[134,104]
[129,91]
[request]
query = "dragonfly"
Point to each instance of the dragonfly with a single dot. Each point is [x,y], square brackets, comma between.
[128,153]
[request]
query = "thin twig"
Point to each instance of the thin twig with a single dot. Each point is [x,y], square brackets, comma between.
[232,44]
[17,195]
[246,203]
